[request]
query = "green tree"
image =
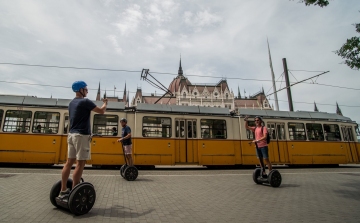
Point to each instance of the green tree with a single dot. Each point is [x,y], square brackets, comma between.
[320,3]
[350,50]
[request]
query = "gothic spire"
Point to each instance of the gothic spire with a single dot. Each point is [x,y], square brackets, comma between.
[98,93]
[124,95]
[338,110]
[180,72]
[315,107]
[239,95]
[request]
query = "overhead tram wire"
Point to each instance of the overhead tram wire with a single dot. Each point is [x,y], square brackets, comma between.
[122,70]
[93,89]
[62,67]
[132,71]
[307,71]
[311,103]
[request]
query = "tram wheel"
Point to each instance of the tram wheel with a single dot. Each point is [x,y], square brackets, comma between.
[122,169]
[256,174]
[131,173]
[82,198]
[55,190]
[274,178]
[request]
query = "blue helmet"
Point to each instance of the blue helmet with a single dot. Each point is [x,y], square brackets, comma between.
[77,85]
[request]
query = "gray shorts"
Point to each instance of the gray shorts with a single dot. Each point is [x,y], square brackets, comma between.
[128,149]
[79,146]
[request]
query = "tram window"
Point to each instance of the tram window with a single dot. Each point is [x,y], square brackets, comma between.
[297,131]
[332,132]
[249,133]
[66,124]
[1,116]
[280,131]
[106,125]
[156,127]
[46,122]
[17,121]
[314,132]
[347,133]
[211,128]
[271,130]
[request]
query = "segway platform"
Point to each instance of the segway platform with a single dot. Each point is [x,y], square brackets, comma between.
[80,200]
[130,173]
[273,179]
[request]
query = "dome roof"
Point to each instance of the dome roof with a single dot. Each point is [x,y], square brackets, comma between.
[178,83]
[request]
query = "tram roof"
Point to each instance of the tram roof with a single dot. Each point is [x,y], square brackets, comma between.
[182,109]
[293,115]
[50,102]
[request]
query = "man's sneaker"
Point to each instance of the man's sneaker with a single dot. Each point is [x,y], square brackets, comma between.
[64,193]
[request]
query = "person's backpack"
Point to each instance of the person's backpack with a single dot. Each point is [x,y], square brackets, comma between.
[268,138]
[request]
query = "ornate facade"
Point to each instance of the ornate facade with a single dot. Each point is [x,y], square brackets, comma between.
[209,95]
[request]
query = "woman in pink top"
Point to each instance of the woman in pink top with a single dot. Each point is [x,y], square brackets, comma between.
[260,142]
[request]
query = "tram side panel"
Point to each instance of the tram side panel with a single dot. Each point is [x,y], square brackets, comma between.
[217,144]
[153,139]
[105,150]
[22,142]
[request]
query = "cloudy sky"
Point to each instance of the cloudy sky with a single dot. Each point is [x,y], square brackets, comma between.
[215,38]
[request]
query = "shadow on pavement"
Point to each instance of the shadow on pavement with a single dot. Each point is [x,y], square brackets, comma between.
[289,185]
[354,193]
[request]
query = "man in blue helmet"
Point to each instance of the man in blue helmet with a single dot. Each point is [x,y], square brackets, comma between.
[79,135]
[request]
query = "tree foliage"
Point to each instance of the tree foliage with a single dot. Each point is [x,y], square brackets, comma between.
[350,51]
[321,3]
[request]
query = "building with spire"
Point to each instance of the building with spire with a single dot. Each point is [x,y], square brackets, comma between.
[125,97]
[203,94]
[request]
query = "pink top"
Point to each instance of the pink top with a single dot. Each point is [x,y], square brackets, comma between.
[259,135]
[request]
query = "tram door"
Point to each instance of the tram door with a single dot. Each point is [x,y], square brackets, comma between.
[278,147]
[350,144]
[186,143]
[63,146]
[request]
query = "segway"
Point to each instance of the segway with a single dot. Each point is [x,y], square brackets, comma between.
[274,177]
[80,200]
[130,173]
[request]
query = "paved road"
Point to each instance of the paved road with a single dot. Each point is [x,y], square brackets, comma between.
[189,195]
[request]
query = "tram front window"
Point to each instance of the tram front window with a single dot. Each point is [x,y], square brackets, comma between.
[314,132]
[332,132]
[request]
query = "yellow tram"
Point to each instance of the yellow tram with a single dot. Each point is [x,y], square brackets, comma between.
[34,131]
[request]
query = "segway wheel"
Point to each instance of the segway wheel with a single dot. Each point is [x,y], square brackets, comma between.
[122,169]
[82,198]
[274,178]
[256,174]
[55,190]
[131,173]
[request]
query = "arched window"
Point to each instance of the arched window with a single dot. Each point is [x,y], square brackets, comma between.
[184,95]
[226,95]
